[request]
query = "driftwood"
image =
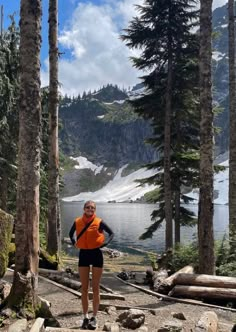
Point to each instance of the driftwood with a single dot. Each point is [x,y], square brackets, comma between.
[204,280]
[203,292]
[165,286]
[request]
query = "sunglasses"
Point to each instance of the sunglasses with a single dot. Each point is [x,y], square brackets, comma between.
[90,207]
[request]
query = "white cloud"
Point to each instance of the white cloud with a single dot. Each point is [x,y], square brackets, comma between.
[218,3]
[96,54]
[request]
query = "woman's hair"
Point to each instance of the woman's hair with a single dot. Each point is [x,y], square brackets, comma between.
[89,202]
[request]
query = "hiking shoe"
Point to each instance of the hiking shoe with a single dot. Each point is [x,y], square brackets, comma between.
[85,324]
[92,324]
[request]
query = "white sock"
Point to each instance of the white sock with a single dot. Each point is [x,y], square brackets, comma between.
[86,316]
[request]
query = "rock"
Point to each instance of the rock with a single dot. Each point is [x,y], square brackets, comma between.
[38,325]
[110,310]
[208,322]
[111,327]
[178,315]
[143,329]
[5,288]
[18,326]
[153,312]
[171,326]
[132,318]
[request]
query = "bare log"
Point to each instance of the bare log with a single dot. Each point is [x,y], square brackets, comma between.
[66,281]
[208,322]
[165,286]
[48,271]
[103,296]
[205,280]
[203,292]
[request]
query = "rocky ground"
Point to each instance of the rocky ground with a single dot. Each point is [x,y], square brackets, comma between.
[66,307]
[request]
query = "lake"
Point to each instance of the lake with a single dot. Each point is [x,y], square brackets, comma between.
[129,220]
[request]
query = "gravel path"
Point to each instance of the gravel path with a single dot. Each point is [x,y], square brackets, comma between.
[66,307]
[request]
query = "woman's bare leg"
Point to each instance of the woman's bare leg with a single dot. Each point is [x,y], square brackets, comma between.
[84,278]
[97,273]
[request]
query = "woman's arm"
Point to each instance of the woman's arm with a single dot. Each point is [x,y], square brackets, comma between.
[71,234]
[107,229]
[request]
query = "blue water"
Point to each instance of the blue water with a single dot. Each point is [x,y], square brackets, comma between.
[129,220]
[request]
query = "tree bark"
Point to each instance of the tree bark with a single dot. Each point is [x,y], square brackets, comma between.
[167,154]
[25,281]
[203,292]
[232,128]
[205,214]
[53,229]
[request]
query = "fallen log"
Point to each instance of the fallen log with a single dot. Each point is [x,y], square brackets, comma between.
[165,286]
[176,299]
[103,296]
[204,280]
[66,281]
[203,292]
[48,271]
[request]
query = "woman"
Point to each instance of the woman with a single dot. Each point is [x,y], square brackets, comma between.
[89,232]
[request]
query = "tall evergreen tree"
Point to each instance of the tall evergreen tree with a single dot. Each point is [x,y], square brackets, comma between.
[205,211]
[53,229]
[232,128]
[9,88]
[168,52]
[23,295]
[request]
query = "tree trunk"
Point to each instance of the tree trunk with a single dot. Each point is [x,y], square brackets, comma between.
[204,280]
[53,238]
[232,128]
[177,212]
[25,282]
[203,292]
[167,157]
[3,189]
[205,214]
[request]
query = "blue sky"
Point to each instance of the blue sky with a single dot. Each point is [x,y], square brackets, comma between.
[89,35]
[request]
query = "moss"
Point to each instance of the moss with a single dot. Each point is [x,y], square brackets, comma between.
[6,221]
[47,261]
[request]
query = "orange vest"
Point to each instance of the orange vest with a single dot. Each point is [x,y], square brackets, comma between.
[91,238]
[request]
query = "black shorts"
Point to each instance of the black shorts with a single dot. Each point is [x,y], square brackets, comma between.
[92,257]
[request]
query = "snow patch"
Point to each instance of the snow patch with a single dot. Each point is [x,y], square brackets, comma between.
[85,163]
[119,189]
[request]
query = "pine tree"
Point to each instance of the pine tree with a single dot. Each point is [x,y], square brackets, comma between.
[9,88]
[206,208]
[169,52]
